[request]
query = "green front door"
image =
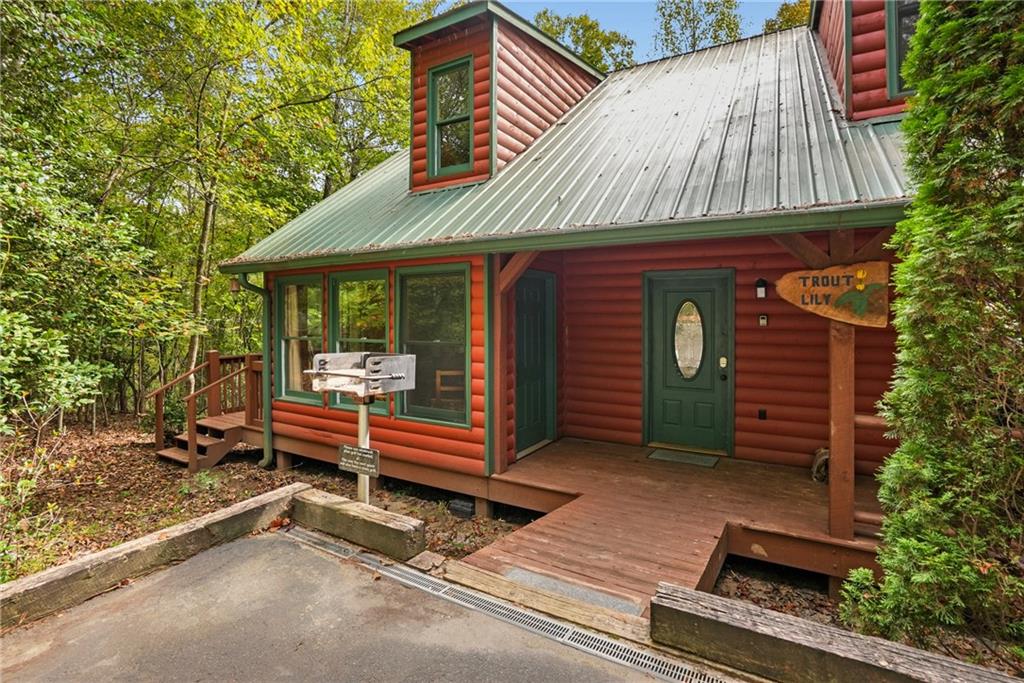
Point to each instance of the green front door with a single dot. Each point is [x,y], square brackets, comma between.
[535,359]
[689,330]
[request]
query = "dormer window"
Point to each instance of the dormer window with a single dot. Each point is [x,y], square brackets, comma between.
[450,118]
[901,21]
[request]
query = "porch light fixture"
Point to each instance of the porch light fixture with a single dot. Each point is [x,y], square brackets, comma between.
[761,288]
[235,286]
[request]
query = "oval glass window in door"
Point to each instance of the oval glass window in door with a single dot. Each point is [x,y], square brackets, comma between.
[689,339]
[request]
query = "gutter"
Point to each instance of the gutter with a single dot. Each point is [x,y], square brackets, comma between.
[268,422]
[803,219]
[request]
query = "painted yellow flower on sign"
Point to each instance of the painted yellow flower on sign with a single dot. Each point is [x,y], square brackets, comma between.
[858,297]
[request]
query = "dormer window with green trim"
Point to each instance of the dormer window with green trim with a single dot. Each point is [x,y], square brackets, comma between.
[900,23]
[450,118]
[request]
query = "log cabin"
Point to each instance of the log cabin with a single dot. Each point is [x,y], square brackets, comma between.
[641,302]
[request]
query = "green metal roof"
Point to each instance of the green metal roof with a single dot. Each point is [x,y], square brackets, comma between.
[734,140]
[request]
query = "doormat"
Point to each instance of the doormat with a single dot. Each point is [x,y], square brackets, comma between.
[686,457]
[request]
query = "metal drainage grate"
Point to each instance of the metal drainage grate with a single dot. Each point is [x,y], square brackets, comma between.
[416,579]
[318,541]
[638,659]
[585,641]
[507,612]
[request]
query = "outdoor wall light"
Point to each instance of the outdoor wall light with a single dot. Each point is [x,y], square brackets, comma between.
[761,288]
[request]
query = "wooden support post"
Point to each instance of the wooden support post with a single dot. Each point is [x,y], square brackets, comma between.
[212,375]
[158,414]
[251,389]
[190,419]
[499,442]
[483,508]
[284,461]
[841,437]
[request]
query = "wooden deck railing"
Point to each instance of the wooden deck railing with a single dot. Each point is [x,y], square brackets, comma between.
[228,384]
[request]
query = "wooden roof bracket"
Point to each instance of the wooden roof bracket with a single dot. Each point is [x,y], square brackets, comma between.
[515,267]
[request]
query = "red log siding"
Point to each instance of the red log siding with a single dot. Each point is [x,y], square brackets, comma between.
[782,368]
[832,31]
[472,37]
[535,87]
[458,449]
[868,90]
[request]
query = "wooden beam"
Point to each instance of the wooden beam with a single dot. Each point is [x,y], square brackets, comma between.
[840,424]
[840,247]
[499,374]
[803,249]
[874,250]
[516,266]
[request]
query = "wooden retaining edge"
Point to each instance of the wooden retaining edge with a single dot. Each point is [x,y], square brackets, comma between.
[67,585]
[397,536]
[782,647]
[602,619]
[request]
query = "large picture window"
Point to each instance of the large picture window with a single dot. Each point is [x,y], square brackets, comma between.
[359,319]
[299,333]
[901,22]
[450,118]
[433,324]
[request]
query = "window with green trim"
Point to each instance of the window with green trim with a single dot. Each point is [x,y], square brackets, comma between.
[299,334]
[901,22]
[450,117]
[359,319]
[433,324]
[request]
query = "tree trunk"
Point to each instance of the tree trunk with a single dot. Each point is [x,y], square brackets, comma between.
[329,180]
[199,282]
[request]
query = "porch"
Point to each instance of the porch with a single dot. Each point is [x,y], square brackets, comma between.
[635,521]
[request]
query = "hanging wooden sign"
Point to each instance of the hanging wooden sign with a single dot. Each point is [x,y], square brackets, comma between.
[857,293]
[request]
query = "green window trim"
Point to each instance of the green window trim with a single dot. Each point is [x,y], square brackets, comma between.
[334,340]
[893,64]
[282,392]
[440,416]
[434,169]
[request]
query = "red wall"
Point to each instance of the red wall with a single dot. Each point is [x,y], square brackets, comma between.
[832,31]
[869,92]
[458,449]
[782,368]
[869,95]
[535,87]
[472,37]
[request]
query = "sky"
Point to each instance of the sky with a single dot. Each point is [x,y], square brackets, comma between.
[636,18]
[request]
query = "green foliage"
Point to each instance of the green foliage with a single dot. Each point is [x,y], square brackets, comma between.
[605,50]
[31,528]
[789,15]
[954,490]
[688,25]
[142,143]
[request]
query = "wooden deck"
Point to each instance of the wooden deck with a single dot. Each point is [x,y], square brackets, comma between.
[638,521]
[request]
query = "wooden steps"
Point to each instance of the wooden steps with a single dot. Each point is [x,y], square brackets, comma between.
[215,438]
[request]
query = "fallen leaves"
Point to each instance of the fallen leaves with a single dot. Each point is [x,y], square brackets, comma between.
[120,491]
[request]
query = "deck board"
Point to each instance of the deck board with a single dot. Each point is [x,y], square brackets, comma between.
[638,521]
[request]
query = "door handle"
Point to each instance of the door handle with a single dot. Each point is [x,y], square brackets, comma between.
[723,377]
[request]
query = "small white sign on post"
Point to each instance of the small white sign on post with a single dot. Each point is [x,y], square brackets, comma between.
[362,376]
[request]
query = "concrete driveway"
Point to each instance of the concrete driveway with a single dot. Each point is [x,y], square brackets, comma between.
[267,608]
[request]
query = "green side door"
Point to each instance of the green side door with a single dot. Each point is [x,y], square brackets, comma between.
[535,359]
[689,333]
